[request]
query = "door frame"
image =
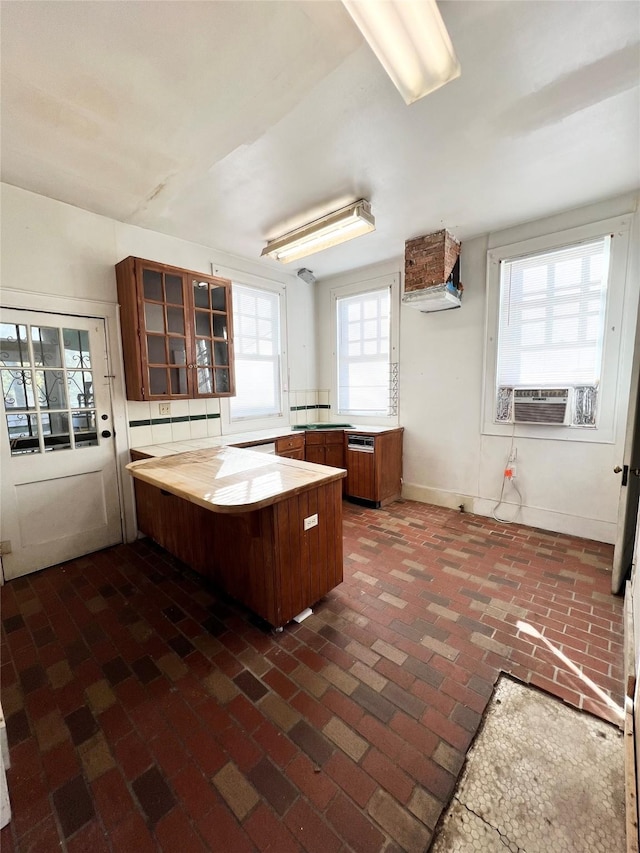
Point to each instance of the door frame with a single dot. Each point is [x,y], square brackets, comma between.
[108,312]
[629,499]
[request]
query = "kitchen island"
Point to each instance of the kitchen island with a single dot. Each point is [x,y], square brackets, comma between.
[265,529]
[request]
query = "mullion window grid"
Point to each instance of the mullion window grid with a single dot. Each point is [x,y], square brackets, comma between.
[590,289]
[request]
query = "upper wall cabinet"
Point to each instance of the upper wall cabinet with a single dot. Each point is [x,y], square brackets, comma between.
[177,332]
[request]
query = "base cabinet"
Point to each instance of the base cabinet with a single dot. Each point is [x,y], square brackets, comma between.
[374,475]
[265,559]
[325,447]
[291,446]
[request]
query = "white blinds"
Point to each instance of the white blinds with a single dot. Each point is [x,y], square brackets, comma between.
[364,324]
[256,336]
[552,313]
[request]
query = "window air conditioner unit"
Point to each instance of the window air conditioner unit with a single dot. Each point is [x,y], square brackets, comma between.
[540,405]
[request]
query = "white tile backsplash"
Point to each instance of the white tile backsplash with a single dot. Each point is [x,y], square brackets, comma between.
[179,408]
[161,433]
[213,426]
[213,406]
[139,436]
[199,429]
[181,431]
[197,407]
[138,411]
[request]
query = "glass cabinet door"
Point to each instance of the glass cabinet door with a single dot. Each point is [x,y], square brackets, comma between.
[176,328]
[165,332]
[212,338]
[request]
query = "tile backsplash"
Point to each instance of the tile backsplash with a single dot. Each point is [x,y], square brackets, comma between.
[201,418]
[308,407]
[187,419]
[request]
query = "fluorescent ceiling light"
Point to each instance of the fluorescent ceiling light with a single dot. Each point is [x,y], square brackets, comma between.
[337,227]
[411,42]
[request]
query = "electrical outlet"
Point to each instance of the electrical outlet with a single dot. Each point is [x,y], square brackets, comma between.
[164,409]
[311,521]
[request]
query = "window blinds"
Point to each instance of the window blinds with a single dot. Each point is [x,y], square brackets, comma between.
[364,325]
[256,337]
[552,316]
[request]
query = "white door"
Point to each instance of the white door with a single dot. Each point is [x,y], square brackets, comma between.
[59,493]
[629,472]
[635,603]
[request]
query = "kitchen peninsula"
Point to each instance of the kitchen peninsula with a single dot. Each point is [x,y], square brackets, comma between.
[266,530]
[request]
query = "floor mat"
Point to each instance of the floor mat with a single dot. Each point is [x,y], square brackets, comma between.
[540,777]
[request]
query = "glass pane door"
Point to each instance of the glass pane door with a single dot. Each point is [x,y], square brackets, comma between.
[212,338]
[165,333]
[47,386]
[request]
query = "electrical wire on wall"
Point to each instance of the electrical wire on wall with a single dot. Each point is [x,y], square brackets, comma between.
[508,477]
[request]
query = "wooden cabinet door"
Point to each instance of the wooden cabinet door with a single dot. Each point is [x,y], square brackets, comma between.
[315,453]
[177,332]
[212,354]
[361,480]
[164,328]
[335,455]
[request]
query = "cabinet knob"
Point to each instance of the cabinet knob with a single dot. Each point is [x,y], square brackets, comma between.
[105,433]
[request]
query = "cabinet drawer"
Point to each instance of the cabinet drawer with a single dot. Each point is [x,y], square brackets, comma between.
[335,436]
[290,442]
[329,436]
[315,437]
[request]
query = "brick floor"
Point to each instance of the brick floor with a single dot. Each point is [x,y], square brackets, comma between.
[145,712]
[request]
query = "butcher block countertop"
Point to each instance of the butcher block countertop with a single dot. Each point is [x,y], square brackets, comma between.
[231,479]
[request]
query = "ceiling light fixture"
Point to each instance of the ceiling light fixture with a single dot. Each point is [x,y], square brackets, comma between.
[337,227]
[411,42]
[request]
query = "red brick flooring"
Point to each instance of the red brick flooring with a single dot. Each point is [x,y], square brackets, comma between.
[145,713]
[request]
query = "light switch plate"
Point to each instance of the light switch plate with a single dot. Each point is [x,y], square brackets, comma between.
[311,521]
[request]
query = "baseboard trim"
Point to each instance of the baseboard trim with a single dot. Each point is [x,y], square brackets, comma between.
[545,519]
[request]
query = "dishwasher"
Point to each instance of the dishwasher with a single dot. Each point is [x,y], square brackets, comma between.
[363,443]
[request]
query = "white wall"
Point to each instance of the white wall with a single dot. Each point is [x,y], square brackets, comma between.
[59,258]
[55,254]
[567,486]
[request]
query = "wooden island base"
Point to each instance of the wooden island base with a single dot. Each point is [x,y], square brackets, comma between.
[261,556]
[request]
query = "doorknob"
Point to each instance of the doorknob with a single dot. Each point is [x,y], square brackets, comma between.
[625,473]
[105,433]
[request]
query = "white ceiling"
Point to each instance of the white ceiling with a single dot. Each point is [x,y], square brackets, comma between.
[229,123]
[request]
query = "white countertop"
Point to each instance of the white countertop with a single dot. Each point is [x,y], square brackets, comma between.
[247,439]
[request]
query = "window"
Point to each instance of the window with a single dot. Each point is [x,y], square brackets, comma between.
[366,384]
[256,334]
[551,325]
[558,312]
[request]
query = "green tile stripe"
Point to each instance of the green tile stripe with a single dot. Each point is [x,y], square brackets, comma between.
[310,406]
[177,420]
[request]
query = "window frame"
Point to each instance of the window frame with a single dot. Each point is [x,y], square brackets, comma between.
[249,423]
[392,282]
[605,428]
